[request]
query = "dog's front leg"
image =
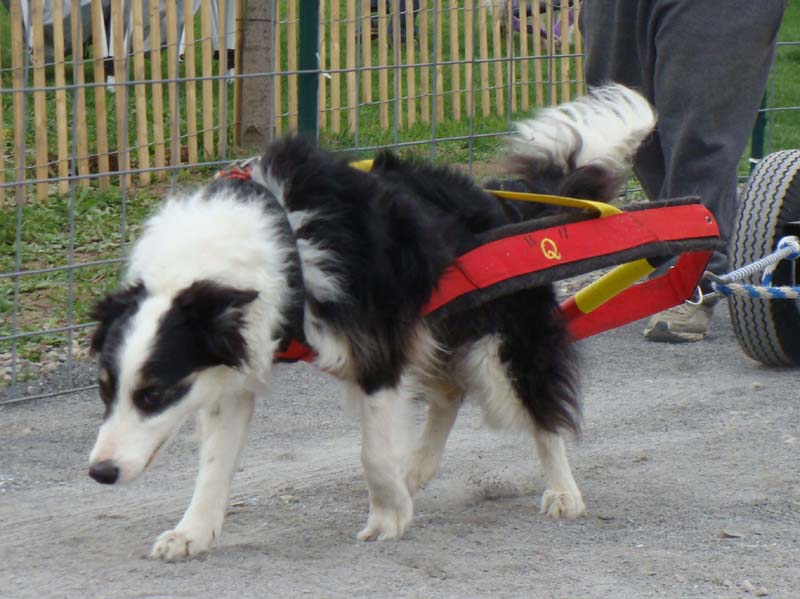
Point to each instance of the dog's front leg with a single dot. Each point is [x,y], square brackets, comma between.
[223,429]
[384,421]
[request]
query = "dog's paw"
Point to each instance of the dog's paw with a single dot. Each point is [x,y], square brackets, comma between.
[386,523]
[176,545]
[561,504]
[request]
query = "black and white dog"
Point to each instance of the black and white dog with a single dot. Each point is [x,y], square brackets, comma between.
[312,249]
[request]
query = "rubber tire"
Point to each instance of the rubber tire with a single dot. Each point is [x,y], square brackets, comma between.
[768,330]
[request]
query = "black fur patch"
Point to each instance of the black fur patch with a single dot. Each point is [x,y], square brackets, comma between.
[213,315]
[201,329]
[114,308]
[112,313]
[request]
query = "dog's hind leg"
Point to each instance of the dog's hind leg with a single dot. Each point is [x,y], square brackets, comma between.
[385,421]
[562,498]
[490,380]
[223,430]
[444,400]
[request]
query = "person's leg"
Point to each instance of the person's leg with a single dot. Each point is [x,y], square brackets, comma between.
[705,73]
[709,76]
[401,18]
[613,51]
[619,48]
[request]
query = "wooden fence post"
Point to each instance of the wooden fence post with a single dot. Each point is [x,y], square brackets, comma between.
[121,87]
[79,78]
[580,88]
[62,128]
[222,69]
[156,75]
[190,79]
[206,53]
[258,121]
[455,57]
[140,92]
[101,133]
[40,122]
[278,73]
[424,58]
[18,83]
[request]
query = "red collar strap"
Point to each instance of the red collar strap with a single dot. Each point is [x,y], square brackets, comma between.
[295,352]
[237,173]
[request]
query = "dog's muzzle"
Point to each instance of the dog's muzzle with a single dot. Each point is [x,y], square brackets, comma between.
[105,472]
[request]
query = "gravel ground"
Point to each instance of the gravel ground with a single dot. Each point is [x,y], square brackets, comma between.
[49,361]
[689,463]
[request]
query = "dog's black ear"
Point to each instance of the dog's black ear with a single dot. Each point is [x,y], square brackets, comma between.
[109,309]
[215,314]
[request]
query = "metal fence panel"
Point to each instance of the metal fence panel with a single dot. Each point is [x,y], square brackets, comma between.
[98,125]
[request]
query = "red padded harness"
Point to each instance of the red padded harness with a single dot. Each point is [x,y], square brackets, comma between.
[538,250]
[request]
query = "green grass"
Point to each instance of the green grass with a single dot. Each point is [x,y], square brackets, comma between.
[43,298]
[783,127]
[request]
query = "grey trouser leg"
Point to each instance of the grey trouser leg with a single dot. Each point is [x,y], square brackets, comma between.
[704,65]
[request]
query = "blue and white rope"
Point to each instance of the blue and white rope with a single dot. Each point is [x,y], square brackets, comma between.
[788,249]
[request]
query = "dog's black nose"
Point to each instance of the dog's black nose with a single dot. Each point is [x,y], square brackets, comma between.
[104,472]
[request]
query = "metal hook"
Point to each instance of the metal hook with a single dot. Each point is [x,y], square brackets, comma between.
[698,293]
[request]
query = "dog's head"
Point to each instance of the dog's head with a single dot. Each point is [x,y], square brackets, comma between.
[161,358]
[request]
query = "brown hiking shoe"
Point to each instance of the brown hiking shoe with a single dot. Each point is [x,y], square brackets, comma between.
[684,323]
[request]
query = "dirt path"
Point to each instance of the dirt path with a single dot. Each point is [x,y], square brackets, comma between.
[689,464]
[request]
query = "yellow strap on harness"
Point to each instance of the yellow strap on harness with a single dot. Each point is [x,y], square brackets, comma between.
[601,208]
[611,284]
[362,165]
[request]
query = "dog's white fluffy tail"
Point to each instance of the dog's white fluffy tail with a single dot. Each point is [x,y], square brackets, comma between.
[606,126]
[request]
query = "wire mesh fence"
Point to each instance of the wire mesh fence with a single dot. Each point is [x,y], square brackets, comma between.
[105,114]
[778,124]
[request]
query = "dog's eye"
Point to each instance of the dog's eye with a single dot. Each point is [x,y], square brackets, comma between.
[152,398]
[148,399]
[156,398]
